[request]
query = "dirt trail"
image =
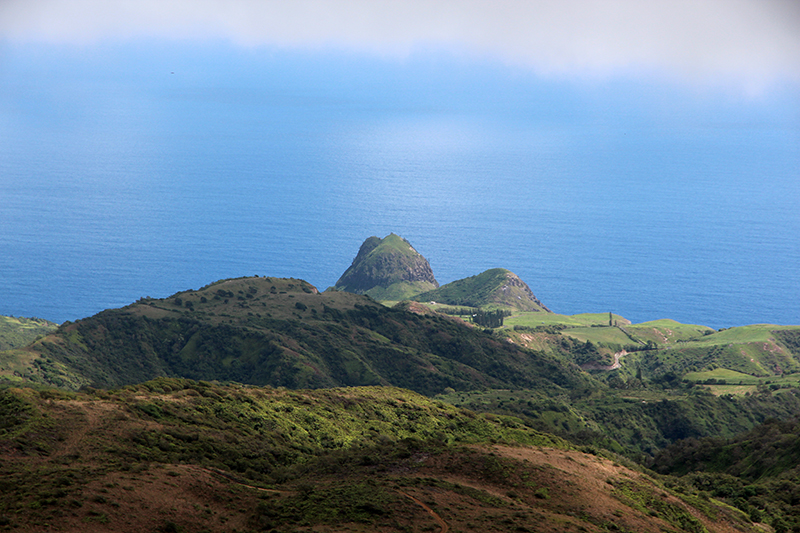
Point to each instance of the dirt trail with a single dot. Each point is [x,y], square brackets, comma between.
[442,523]
[229,477]
[90,413]
[616,365]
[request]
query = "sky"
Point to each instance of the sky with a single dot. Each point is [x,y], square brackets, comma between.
[672,100]
[748,46]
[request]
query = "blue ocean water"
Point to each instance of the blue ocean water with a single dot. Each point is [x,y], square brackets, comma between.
[149,169]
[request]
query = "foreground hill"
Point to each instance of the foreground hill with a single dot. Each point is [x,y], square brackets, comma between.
[282,332]
[388,269]
[179,455]
[496,288]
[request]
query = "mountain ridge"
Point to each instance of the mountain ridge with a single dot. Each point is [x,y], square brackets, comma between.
[283,332]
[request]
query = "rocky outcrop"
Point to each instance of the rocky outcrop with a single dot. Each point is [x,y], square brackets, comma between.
[388,269]
[527,297]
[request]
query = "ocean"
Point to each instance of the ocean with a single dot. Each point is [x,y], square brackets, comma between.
[150,169]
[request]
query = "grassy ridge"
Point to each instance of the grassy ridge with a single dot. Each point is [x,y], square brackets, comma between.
[282,332]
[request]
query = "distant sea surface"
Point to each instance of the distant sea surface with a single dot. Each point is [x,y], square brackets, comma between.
[150,178]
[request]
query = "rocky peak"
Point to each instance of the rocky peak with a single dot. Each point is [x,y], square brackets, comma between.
[387,263]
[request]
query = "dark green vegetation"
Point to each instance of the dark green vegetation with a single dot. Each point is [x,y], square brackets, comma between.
[635,422]
[388,269]
[16,332]
[497,288]
[282,332]
[181,455]
[490,319]
[757,471]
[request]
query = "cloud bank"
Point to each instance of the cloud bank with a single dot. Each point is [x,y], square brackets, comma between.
[750,42]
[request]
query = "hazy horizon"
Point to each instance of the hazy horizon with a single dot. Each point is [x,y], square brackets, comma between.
[640,157]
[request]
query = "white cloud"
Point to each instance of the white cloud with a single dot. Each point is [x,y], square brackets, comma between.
[751,42]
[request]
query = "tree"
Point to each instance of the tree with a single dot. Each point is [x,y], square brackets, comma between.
[490,319]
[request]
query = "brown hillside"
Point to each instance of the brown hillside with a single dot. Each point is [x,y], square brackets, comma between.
[86,463]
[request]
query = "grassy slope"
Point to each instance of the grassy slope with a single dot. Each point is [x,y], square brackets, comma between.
[763,350]
[16,332]
[283,332]
[496,288]
[177,455]
[399,291]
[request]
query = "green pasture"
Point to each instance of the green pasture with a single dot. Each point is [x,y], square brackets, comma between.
[723,390]
[16,332]
[666,331]
[605,335]
[730,376]
[533,320]
[743,334]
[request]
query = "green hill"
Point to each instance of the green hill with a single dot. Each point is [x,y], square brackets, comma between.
[281,332]
[496,288]
[197,421]
[387,269]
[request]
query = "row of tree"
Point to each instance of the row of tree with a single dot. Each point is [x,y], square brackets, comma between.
[490,319]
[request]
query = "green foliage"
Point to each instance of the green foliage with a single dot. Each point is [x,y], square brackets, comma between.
[650,502]
[16,411]
[253,431]
[756,471]
[790,338]
[16,332]
[768,450]
[297,338]
[490,319]
[358,502]
[635,423]
[335,456]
